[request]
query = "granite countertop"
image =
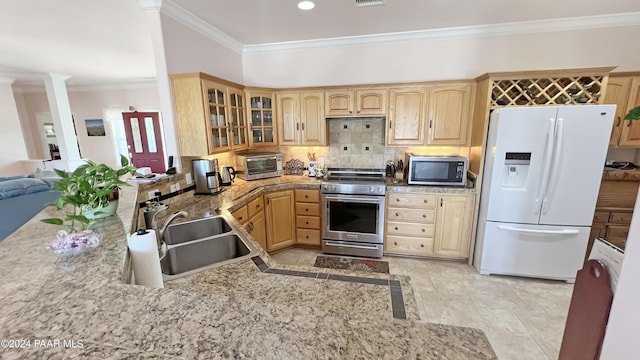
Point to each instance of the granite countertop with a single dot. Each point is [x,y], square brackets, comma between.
[79,308]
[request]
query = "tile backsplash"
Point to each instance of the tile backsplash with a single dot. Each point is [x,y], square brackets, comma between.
[358,142]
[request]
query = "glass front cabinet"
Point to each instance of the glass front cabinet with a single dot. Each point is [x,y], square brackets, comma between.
[227,127]
[260,109]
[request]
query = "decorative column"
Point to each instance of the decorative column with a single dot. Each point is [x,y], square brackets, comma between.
[12,145]
[152,8]
[62,121]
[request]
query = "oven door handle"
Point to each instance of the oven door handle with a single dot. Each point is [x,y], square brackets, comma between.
[328,243]
[366,200]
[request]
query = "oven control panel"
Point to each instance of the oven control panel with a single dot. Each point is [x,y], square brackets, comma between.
[356,189]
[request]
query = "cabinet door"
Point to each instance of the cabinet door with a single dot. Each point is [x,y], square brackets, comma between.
[312,121]
[281,231]
[453,225]
[371,102]
[260,116]
[192,119]
[339,102]
[631,129]
[258,229]
[288,118]
[217,116]
[241,215]
[449,113]
[406,118]
[618,94]
[237,120]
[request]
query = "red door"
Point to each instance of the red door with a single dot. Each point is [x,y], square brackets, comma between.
[144,140]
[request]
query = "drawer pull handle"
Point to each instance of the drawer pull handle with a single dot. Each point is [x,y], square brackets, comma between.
[421,245]
[397,214]
[240,218]
[307,223]
[307,236]
[424,216]
[307,209]
[423,230]
[395,243]
[396,228]
[306,196]
[425,201]
[398,200]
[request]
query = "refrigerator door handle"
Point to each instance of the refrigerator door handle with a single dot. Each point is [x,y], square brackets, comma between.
[540,232]
[555,170]
[544,177]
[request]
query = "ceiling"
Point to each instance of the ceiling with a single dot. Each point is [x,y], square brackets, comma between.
[108,41]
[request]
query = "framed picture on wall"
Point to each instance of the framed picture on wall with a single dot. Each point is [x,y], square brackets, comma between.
[95,127]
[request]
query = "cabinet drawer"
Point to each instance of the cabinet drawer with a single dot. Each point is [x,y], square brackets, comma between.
[617,233]
[601,217]
[308,222]
[420,200]
[634,175]
[411,229]
[255,206]
[307,195]
[242,215]
[307,209]
[620,217]
[408,245]
[411,215]
[615,175]
[308,237]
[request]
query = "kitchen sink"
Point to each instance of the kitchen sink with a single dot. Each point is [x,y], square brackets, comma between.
[194,230]
[206,253]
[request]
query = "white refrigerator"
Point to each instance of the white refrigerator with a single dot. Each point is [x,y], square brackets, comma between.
[542,174]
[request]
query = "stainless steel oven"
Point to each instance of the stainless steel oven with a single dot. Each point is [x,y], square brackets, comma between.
[353,213]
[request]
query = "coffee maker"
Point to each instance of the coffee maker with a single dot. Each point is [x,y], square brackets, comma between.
[206,175]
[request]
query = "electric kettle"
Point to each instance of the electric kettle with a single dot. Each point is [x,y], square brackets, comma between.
[227,174]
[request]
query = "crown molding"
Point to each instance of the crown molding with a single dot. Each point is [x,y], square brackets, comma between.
[151,84]
[195,23]
[150,5]
[515,28]
[6,80]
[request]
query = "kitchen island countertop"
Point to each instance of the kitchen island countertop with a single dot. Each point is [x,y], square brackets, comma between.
[80,304]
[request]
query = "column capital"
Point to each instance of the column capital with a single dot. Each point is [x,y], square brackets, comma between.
[5,80]
[57,76]
[150,5]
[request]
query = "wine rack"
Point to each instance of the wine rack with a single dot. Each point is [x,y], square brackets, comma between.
[585,89]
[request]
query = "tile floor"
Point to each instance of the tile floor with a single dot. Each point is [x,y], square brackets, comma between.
[523,318]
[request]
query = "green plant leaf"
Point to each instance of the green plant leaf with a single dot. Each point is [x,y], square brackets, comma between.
[54,221]
[123,161]
[633,114]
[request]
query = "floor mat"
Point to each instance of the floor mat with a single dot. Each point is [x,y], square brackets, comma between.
[336,262]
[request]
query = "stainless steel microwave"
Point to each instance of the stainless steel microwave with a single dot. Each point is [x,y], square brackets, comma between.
[253,166]
[435,170]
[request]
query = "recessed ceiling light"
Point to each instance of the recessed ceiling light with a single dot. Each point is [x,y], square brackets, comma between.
[306,5]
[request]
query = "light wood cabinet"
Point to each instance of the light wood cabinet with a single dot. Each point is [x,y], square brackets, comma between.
[409,223]
[210,114]
[260,115]
[280,215]
[630,135]
[308,218]
[407,116]
[300,118]
[356,102]
[453,225]
[449,114]
[241,215]
[257,227]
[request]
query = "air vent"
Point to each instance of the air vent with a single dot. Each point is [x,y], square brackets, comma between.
[361,3]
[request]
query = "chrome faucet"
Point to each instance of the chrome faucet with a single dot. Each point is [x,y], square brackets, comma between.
[161,231]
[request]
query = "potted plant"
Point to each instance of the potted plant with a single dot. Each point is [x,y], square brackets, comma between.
[87,194]
[633,114]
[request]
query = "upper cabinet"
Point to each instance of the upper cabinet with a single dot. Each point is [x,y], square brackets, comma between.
[406,120]
[260,112]
[449,114]
[358,102]
[300,118]
[430,115]
[624,91]
[210,115]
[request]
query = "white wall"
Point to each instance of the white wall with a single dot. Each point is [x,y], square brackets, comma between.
[89,104]
[620,341]
[189,51]
[426,60]
[12,145]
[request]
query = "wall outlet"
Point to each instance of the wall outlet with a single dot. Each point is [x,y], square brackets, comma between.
[187,178]
[175,187]
[152,194]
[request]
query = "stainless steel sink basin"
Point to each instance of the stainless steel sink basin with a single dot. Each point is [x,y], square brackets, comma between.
[196,229]
[209,252]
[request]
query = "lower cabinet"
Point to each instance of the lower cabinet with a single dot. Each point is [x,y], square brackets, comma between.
[251,217]
[308,217]
[426,224]
[280,215]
